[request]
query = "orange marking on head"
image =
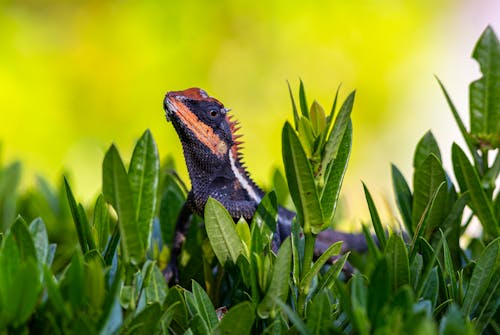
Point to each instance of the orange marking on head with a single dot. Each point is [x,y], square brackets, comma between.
[203,132]
[193,93]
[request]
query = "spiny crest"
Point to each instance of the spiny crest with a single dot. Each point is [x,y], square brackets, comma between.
[234,127]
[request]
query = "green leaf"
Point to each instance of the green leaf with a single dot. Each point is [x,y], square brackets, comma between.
[10,177]
[301,181]
[294,318]
[54,295]
[359,315]
[20,280]
[426,146]
[379,292]
[318,118]
[319,315]
[335,176]
[94,289]
[265,219]
[117,191]
[175,300]
[171,204]
[454,322]
[222,233]
[430,289]
[294,107]
[278,289]
[22,299]
[145,322]
[373,248]
[398,263]
[243,232]
[416,270]
[484,94]
[143,177]
[337,133]
[426,180]
[81,224]
[404,198]
[424,220]
[156,289]
[461,125]
[24,241]
[303,100]
[306,135]
[101,222]
[333,272]
[238,320]
[204,306]
[40,240]
[483,272]
[332,250]
[448,270]
[73,283]
[479,202]
[377,225]
[489,304]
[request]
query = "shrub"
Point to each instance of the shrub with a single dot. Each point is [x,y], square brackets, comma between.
[420,281]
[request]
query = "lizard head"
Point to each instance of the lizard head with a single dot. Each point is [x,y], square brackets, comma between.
[202,122]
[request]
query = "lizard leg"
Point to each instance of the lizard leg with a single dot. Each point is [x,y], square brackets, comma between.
[181,228]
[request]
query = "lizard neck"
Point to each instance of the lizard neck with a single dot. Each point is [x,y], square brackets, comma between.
[226,178]
[243,178]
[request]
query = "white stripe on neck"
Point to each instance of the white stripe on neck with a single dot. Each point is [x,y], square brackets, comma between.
[243,181]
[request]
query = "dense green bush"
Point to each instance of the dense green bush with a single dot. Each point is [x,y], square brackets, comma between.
[417,282]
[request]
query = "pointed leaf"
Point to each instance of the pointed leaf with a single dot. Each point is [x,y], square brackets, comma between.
[278,289]
[172,201]
[204,306]
[483,272]
[332,250]
[426,180]
[143,176]
[40,239]
[319,315]
[377,225]
[156,289]
[81,224]
[337,133]
[335,176]
[117,191]
[380,288]
[24,241]
[222,233]
[426,146]
[318,118]
[303,100]
[460,124]
[101,223]
[404,198]
[485,93]
[479,202]
[238,320]
[398,263]
[294,107]
[301,181]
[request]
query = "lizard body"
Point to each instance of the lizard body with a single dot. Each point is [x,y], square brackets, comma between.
[211,146]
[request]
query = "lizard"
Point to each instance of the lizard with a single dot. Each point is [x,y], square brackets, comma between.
[212,150]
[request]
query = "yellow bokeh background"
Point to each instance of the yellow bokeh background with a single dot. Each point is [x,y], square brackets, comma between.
[76,76]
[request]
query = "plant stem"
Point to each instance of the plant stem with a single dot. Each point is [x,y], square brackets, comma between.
[310,240]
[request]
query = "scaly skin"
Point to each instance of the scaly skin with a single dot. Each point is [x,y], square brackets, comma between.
[211,149]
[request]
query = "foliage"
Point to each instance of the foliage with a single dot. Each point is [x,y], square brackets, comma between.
[420,281]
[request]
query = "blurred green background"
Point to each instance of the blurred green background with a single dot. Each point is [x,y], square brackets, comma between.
[78,75]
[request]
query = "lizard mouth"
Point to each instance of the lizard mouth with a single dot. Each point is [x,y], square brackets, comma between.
[169,108]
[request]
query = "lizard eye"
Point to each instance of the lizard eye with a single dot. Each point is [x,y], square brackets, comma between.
[213,113]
